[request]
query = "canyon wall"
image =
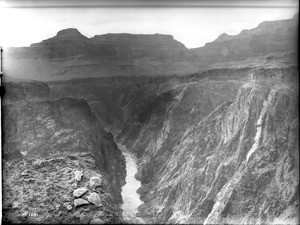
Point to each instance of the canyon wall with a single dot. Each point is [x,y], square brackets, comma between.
[193,143]
[214,147]
[54,138]
[215,129]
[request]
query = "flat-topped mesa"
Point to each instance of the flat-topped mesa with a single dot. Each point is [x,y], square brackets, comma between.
[129,46]
[136,38]
[70,42]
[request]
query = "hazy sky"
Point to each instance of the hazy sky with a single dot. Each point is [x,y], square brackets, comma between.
[193,26]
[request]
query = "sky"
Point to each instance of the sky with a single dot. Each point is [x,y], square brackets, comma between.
[191,22]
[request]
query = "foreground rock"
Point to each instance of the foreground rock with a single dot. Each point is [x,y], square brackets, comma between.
[95,182]
[79,192]
[95,199]
[80,201]
[62,126]
[78,175]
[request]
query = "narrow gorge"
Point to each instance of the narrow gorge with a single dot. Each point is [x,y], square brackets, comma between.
[216,145]
[131,199]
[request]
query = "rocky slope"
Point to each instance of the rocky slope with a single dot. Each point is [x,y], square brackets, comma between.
[44,142]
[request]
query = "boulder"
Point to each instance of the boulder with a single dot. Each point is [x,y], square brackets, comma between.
[79,192]
[95,181]
[95,199]
[80,201]
[78,175]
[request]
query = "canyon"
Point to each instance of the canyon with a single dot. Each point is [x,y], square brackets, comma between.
[204,136]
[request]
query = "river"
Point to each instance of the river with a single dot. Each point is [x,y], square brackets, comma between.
[131,199]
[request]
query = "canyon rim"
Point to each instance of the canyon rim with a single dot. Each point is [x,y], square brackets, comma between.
[138,128]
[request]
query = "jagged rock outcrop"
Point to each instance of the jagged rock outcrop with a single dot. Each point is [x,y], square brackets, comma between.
[41,128]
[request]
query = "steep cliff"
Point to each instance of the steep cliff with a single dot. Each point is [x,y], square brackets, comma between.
[44,142]
[220,152]
[214,147]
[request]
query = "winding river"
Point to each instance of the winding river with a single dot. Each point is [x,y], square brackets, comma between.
[131,199]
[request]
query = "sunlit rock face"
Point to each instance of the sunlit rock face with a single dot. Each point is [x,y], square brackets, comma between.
[193,143]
